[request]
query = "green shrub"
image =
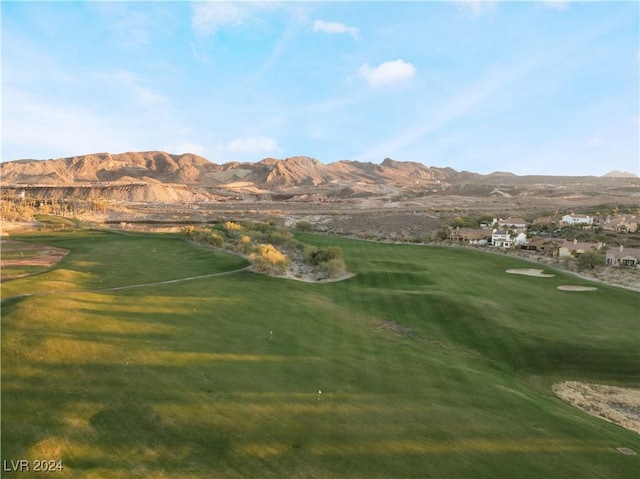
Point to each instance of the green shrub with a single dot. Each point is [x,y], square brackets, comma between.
[304,226]
[333,268]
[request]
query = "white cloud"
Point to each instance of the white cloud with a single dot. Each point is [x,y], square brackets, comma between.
[142,94]
[388,73]
[334,28]
[38,126]
[208,17]
[253,144]
[556,4]
[476,8]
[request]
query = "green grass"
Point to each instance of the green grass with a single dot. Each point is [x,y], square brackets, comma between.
[54,220]
[432,362]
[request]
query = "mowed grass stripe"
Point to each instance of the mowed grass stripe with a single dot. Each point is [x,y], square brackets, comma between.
[102,259]
[422,373]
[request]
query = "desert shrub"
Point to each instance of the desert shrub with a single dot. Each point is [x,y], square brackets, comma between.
[279,237]
[232,230]
[245,244]
[294,244]
[215,239]
[231,226]
[190,231]
[308,254]
[304,226]
[261,226]
[10,211]
[266,258]
[275,222]
[314,255]
[328,254]
[333,267]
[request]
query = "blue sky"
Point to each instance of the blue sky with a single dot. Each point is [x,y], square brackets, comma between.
[548,87]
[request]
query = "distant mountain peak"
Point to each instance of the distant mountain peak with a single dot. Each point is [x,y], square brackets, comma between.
[620,174]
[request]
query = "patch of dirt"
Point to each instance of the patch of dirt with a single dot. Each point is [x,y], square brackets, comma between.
[617,405]
[572,287]
[530,272]
[399,329]
[35,255]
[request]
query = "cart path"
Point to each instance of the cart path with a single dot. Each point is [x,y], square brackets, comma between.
[130,286]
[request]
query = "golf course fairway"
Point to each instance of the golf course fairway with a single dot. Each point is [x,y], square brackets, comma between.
[428,362]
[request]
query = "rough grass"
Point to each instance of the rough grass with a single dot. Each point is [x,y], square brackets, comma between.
[432,362]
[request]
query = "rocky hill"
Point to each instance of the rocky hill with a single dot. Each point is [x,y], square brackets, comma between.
[156,176]
[193,170]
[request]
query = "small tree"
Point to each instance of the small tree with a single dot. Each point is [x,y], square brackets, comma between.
[590,259]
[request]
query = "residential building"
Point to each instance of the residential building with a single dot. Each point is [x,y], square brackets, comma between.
[577,219]
[511,223]
[623,257]
[470,236]
[575,248]
[501,239]
[621,223]
[542,245]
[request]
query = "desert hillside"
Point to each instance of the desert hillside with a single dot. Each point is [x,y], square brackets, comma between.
[159,176]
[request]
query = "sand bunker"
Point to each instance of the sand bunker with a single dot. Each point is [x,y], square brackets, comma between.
[620,406]
[530,272]
[572,287]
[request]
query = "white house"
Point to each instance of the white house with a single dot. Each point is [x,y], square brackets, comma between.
[501,239]
[511,223]
[577,219]
[521,240]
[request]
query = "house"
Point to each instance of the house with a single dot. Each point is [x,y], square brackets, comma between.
[577,219]
[623,257]
[520,239]
[621,223]
[542,245]
[501,239]
[470,236]
[575,248]
[511,223]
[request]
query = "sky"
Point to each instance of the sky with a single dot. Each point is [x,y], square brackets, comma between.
[545,87]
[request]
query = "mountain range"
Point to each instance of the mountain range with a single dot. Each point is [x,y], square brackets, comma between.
[187,176]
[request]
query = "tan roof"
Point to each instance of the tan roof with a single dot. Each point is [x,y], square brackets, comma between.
[512,221]
[632,252]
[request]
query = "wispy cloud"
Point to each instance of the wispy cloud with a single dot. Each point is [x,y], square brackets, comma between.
[253,144]
[476,8]
[142,94]
[387,73]
[43,125]
[556,4]
[207,18]
[333,28]
[129,25]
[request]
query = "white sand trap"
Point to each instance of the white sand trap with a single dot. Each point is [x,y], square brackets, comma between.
[572,287]
[530,272]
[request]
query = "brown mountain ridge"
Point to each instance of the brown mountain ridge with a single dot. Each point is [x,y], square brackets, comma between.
[156,176]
